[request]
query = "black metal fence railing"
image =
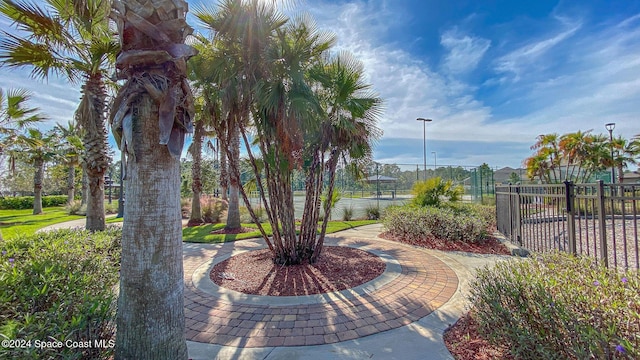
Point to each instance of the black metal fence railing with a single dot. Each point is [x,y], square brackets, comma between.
[598,220]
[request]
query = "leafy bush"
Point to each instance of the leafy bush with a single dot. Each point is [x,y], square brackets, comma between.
[75,208]
[558,306]
[442,223]
[59,286]
[111,208]
[347,214]
[212,209]
[486,213]
[26,202]
[245,217]
[372,212]
[431,192]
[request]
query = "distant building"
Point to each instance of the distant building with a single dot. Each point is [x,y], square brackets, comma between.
[503,176]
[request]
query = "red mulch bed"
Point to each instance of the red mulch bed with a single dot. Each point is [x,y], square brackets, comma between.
[338,268]
[463,339]
[490,245]
[464,342]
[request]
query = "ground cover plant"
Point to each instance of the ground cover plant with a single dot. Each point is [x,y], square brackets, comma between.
[558,306]
[59,287]
[23,223]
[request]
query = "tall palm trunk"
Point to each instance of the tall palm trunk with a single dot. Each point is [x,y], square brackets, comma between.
[224,171]
[90,116]
[196,173]
[153,110]
[71,183]
[85,185]
[37,186]
[233,211]
[150,321]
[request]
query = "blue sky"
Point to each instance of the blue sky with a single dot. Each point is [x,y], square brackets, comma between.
[492,75]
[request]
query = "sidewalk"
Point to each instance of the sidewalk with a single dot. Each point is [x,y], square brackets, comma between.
[400,315]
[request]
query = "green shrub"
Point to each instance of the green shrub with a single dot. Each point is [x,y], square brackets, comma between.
[245,217]
[59,286]
[372,212]
[212,209]
[442,223]
[26,202]
[558,306]
[486,213]
[75,208]
[431,192]
[111,208]
[347,214]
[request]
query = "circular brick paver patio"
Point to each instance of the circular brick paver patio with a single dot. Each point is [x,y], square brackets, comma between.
[418,284]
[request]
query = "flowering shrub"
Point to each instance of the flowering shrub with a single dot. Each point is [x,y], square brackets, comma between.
[59,286]
[558,306]
[446,223]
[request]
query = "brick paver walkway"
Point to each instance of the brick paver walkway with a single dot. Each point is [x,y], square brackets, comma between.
[422,284]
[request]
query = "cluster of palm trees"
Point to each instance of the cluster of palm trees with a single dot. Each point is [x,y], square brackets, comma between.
[261,79]
[22,142]
[274,83]
[578,156]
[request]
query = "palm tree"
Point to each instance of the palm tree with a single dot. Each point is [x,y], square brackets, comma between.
[347,133]
[233,56]
[69,38]
[206,76]
[548,149]
[150,116]
[15,116]
[71,147]
[624,154]
[36,149]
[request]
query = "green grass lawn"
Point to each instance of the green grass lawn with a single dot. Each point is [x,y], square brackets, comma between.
[202,234]
[22,222]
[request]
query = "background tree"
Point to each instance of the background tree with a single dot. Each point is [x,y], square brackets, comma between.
[578,156]
[71,147]
[150,116]
[36,149]
[625,153]
[15,116]
[72,39]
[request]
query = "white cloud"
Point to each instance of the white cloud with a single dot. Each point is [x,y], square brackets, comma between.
[522,59]
[465,52]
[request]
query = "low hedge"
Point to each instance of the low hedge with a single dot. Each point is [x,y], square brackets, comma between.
[26,202]
[58,287]
[452,223]
[558,306]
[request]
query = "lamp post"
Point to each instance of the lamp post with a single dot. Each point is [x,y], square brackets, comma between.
[610,127]
[424,140]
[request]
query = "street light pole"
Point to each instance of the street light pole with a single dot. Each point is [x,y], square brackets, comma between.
[424,141]
[610,127]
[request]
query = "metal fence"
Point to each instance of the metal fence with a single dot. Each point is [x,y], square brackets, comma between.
[598,220]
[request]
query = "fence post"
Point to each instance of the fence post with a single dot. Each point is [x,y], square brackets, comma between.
[517,220]
[602,221]
[571,219]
